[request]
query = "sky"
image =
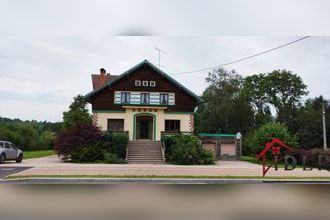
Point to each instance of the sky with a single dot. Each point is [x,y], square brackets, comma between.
[49,49]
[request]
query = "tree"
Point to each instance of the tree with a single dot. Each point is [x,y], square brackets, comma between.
[224,109]
[284,91]
[78,113]
[280,89]
[255,90]
[256,141]
[309,123]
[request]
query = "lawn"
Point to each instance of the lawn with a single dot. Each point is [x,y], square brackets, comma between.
[252,159]
[37,154]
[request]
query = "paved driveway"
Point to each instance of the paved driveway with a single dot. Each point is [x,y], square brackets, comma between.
[54,166]
[6,171]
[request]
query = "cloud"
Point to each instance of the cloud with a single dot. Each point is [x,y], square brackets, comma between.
[41,74]
[48,49]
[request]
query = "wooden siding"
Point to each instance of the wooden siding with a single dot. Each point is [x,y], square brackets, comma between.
[105,99]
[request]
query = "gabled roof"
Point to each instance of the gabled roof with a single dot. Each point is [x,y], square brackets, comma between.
[99,80]
[131,70]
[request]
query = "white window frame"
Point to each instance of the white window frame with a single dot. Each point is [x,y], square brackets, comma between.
[166,100]
[137,82]
[145,95]
[145,83]
[152,83]
[125,97]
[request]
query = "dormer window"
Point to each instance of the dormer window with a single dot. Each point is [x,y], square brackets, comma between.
[137,82]
[145,83]
[152,83]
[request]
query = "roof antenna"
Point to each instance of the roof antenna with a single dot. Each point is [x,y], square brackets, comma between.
[159,52]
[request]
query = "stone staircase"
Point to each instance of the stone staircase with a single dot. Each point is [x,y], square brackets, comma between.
[144,152]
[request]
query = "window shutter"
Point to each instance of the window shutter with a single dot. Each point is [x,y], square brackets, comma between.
[135,97]
[154,98]
[171,99]
[117,98]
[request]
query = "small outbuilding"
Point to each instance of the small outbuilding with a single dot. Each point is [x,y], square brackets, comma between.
[223,146]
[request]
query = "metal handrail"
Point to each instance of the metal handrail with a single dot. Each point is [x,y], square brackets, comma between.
[163,149]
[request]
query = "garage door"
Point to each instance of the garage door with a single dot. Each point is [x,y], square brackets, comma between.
[228,149]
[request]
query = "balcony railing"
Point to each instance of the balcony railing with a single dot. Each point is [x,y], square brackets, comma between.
[176,132]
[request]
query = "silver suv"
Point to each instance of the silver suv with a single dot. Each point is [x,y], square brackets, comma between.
[8,151]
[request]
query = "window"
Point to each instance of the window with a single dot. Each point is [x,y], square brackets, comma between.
[137,82]
[115,124]
[125,97]
[1,144]
[163,99]
[145,98]
[6,145]
[145,83]
[152,83]
[172,125]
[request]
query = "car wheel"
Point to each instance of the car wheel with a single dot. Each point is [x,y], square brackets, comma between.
[2,158]
[19,158]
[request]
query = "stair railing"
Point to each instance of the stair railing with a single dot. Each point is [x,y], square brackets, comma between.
[126,157]
[163,149]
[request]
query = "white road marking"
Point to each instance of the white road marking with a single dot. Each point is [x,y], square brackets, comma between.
[7,169]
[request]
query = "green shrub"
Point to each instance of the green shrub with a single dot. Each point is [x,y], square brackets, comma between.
[88,154]
[168,141]
[255,142]
[188,150]
[118,143]
[113,159]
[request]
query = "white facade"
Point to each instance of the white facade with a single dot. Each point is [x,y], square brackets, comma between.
[158,115]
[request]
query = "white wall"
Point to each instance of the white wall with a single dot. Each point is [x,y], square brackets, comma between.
[186,120]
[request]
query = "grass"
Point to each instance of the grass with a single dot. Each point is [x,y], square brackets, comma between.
[37,154]
[166,177]
[252,159]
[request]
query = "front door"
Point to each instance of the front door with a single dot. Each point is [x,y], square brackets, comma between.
[144,127]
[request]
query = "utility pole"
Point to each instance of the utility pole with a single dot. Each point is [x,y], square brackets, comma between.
[324,128]
[159,51]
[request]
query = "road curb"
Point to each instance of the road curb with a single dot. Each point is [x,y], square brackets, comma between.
[157,181]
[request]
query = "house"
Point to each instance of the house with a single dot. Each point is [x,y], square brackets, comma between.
[143,101]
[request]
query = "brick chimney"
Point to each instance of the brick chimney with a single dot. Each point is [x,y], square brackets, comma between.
[103,71]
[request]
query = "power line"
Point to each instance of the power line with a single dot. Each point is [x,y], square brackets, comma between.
[245,58]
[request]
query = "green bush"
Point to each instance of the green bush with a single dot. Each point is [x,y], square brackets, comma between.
[168,141]
[255,142]
[188,150]
[118,143]
[113,159]
[88,154]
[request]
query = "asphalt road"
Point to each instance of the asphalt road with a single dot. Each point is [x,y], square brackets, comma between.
[156,181]
[6,171]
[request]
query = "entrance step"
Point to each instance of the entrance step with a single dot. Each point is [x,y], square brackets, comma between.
[144,152]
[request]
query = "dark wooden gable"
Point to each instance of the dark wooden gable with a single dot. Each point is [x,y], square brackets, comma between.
[104,100]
